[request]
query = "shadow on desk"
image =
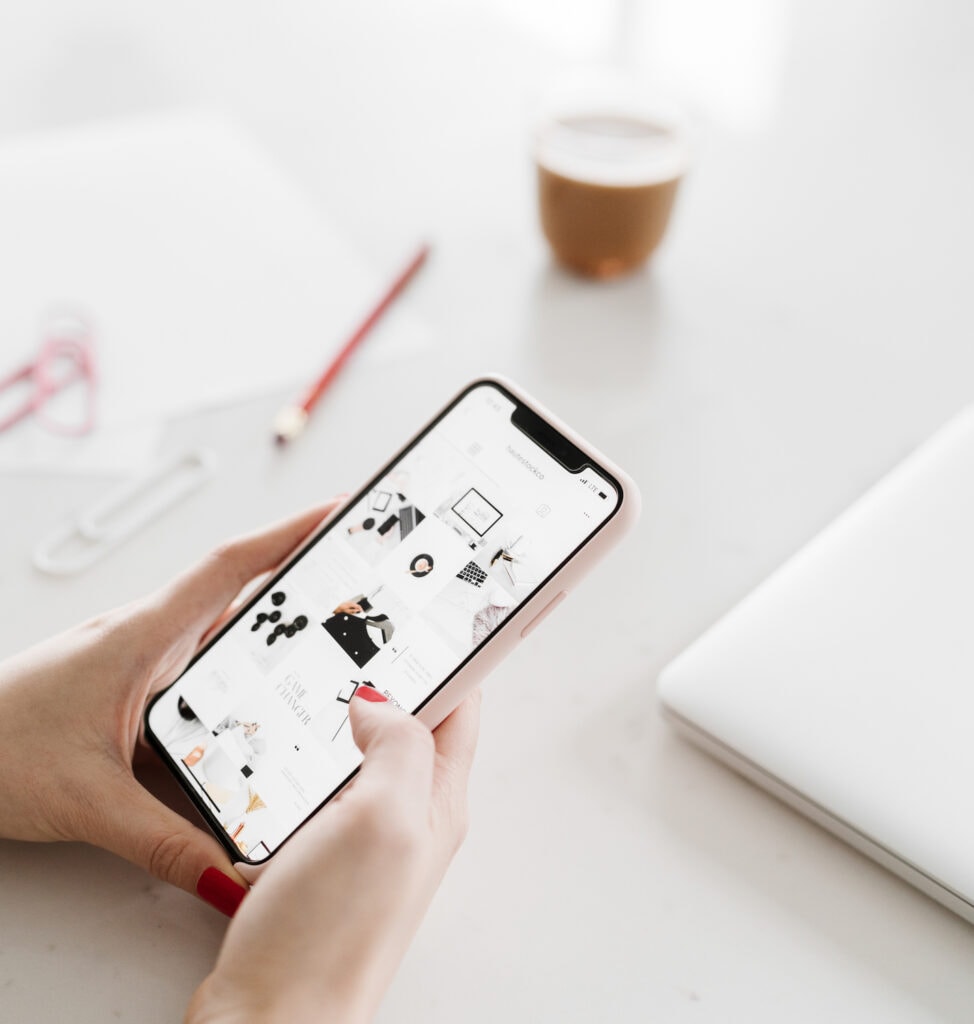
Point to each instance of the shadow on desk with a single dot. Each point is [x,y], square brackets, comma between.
[600,335]
[87,937]
[795,872]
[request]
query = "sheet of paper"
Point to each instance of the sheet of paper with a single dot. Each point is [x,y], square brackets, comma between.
[207,274]
[112,451]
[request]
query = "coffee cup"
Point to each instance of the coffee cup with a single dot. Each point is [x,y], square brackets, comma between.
[607,181]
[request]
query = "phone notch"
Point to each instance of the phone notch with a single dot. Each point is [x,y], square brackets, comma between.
[550,440]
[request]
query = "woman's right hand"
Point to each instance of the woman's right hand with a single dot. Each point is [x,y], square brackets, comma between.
[321,934]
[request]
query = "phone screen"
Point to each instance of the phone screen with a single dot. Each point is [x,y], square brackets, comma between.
[397,593]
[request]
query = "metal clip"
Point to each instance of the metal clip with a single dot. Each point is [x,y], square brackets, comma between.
[111,520]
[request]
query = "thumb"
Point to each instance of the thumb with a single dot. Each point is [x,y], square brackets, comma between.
[196,598]
[398,749]
[137,826]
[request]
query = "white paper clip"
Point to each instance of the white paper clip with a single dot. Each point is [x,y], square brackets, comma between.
[123,512]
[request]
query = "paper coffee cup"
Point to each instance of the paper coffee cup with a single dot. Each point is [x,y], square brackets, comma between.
[607,180]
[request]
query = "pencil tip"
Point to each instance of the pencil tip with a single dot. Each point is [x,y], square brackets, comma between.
[289,423]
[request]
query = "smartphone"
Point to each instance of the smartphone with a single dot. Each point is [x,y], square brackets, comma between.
[418,586]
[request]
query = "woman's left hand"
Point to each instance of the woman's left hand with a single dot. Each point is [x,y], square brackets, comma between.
[71,711]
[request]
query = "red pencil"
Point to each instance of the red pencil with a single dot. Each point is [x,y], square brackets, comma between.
[292,418]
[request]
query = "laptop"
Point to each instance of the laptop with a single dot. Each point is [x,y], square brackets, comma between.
[844,684]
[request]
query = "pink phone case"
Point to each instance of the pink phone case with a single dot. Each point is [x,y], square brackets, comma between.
[522,622]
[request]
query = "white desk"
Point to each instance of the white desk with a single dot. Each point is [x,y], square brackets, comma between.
[807,322]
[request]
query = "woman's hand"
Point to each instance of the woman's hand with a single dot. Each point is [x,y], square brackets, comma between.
[71,711]
[321,934]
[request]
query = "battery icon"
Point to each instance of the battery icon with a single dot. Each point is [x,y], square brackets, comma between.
[602,494]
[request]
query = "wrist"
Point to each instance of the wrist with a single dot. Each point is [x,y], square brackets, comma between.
[216,1002]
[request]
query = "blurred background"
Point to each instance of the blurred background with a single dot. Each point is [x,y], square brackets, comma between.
[805,323]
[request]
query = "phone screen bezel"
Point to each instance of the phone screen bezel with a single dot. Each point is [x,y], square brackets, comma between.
[527,418]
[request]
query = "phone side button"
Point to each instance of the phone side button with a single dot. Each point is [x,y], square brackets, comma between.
[543,614]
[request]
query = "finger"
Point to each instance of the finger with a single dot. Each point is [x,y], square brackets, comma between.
[456,738]
[136,826]
[398,751]
[196,598]
[456,743]
[231,609]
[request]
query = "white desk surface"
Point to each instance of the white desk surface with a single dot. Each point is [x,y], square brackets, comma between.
[808,321]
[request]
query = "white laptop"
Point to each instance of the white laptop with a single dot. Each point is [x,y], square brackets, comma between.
[845,683]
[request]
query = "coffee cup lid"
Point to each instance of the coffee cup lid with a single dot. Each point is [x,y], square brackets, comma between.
[611,147]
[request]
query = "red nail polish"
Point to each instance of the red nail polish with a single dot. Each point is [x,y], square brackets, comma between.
[370,693]
[220,891]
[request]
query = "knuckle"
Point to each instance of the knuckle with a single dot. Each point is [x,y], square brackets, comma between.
[455,821]
[224,555]
[453,810]
[414,732]
[165,855]
[402,838]
[84,816]
[383,825]
[117,641]
[102,627]
[460,827]
[223,550]
[408,736]
[423,738]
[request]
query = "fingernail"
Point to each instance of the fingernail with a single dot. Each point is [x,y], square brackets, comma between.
[215,888]
[370,693]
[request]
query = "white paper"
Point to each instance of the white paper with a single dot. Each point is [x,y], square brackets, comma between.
[112,451]
[207,275]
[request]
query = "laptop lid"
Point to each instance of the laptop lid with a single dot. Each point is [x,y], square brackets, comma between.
[845,682]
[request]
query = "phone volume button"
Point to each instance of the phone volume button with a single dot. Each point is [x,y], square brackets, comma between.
[543,614]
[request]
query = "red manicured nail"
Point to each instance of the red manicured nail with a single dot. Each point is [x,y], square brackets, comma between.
[220,891]
[370,693]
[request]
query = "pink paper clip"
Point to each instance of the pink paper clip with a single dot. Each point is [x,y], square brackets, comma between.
[65,360]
